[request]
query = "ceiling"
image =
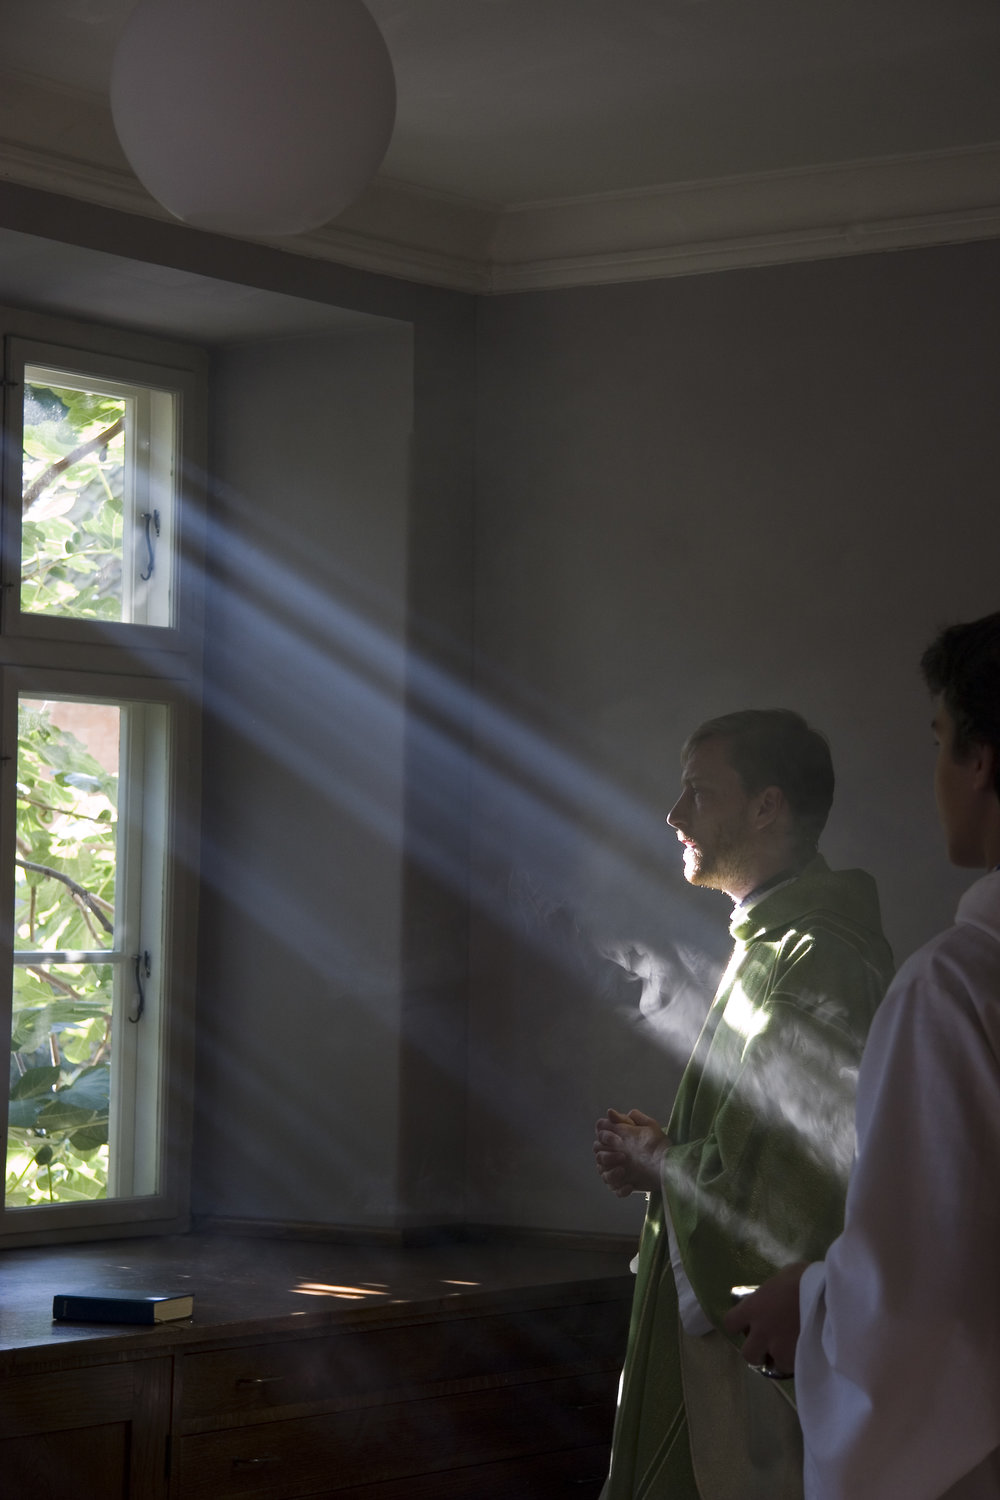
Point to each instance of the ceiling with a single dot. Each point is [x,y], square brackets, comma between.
[541,142]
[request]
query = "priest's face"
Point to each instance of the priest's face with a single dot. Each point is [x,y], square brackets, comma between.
[713,817]
[959,782]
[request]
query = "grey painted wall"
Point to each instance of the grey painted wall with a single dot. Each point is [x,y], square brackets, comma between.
[331,1029]
[304,758]
[758,488]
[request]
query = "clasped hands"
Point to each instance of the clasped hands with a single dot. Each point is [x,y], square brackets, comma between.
[629,1150]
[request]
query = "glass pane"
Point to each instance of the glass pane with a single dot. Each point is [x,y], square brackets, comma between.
[60,1084]
[61,1040]
[67,819]
[73,494]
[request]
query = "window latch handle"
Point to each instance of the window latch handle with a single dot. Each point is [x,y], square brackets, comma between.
[151,518]
[143,969]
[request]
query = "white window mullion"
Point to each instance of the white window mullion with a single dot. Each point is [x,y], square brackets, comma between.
[122,1114]
[136,1112]
[134,490]
[151,888]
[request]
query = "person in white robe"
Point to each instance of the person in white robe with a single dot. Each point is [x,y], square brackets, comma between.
[895,1337]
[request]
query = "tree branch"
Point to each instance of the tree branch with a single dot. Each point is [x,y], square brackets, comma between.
[63,812]
[47,977]
[93,902]
[90,446]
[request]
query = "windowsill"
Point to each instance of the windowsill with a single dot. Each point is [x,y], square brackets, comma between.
[251,1286]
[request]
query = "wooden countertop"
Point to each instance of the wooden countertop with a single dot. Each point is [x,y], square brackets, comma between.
[246,1287]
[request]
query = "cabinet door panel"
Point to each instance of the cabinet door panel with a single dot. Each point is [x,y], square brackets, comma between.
[87,1434]
[88,1463]
[65,1398]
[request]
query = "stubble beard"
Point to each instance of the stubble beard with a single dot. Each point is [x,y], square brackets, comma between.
[717,869]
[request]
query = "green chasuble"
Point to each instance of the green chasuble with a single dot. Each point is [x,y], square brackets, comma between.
[762,1137]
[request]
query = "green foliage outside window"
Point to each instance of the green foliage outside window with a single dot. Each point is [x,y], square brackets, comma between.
[60,1062]
[72,520]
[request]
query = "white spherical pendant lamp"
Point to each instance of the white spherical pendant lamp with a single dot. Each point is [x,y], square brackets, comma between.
[255,117]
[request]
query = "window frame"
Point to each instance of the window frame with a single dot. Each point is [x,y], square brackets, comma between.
[44,656]
[184,631]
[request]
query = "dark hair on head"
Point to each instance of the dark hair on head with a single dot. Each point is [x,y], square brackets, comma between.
[963,665]
[776,747]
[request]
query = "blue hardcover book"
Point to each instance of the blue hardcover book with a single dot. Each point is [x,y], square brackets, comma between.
[121,1307]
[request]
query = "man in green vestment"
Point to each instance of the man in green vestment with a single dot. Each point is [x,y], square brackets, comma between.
[752,1168]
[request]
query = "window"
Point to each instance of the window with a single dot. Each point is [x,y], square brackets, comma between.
[100,678]
[94,456]
[96,498]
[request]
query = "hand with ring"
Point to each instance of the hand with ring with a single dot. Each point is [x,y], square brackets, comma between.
[769,1319]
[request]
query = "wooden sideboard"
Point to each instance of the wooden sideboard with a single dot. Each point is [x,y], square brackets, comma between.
[470,1371]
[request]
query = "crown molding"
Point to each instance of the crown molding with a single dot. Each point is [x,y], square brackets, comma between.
[407,231]
[62,141]
[759,219]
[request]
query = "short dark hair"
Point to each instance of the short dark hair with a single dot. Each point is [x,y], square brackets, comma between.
[963,666]
[776,747]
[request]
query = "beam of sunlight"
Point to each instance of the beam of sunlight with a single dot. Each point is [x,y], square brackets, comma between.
[342,1293]
[744,1017]
[797,1092]
[378,711]
[378,732]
